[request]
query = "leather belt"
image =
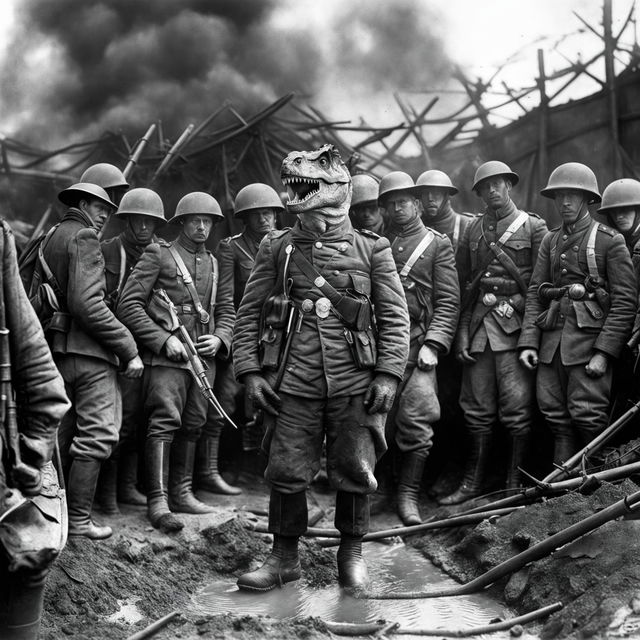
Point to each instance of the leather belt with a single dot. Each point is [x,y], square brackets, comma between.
[321,307]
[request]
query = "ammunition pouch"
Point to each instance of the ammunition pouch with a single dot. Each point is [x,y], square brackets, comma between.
[271,347]
[160,312]
[34,532]
[275,312]
[589,314]
[548,319]
[362,345]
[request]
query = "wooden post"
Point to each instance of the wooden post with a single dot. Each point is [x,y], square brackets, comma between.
[543,121]
[609,46]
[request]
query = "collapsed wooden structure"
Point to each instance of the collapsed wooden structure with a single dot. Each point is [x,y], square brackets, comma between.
[230,149]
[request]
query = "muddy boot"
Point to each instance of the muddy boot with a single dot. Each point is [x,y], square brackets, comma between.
[106,497]
[21,603]
[157,472]
[471,486]
[564,446]
[207,476]
[409,487]
[352,520]
[128,478]
[287,521]
[83,477]
[181,498]
[518,445]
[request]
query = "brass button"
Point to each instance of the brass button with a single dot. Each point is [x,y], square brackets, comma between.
[336,273]
[563,256]
[318,245]
[563,271]
[495,287]
[487,274]
[564,237]
[575,248]
[400,249]
[491,227]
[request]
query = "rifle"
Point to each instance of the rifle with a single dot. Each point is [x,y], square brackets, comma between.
[197,367]
[135,156]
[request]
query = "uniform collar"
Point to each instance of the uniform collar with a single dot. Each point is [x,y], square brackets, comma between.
[76,214]
[342,233]
[579,225]
[505,211]
[411,228]
[132,248]
[190,245]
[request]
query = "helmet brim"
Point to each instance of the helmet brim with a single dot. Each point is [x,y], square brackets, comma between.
[514,177]
[549,192]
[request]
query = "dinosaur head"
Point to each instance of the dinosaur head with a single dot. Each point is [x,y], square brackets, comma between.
[318,184]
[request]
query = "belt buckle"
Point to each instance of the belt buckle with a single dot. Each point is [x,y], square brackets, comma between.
[203,316]
[323,307]
[489,299]
[186,308]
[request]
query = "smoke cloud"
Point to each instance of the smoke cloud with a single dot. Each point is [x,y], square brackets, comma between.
[76,69]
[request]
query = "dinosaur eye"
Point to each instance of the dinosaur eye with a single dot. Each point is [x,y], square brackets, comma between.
[323,162]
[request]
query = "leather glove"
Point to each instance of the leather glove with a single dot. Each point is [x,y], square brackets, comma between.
[380,394]
[261,395]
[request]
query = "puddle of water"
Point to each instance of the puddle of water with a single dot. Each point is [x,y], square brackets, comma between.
[391,568]
[128,612]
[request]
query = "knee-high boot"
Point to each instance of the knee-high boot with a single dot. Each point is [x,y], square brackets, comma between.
[409,486]
[472,481]
[352,520]
[128,478]
[157,473]
[181,496]
[287,521]
[83,477]
[207,476]
[106,494]
[518,447]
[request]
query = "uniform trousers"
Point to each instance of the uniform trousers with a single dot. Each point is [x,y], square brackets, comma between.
[497,388]
[354,441]
[89,430]
[173,402]
[414,411]
[573,404]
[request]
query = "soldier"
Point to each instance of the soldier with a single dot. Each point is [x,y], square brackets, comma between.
[495,260]
[425,262]
[365,212]
[29,541]
[174,406]
[143,212]
[319,279]
[110,178]
[88,343]
[580,309]
[434,188]
[257,206]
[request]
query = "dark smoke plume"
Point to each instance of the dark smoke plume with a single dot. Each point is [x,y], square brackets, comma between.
[77,68]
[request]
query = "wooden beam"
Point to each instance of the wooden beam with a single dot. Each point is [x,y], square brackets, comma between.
[543,120]
[612,96]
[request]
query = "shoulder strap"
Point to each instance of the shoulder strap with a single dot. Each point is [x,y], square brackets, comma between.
[417,252]
[456,232]
[591,253]
[183,272]
[123,268]
[48,274]
[513,227]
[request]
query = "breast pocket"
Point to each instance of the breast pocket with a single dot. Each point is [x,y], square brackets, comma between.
[520,250]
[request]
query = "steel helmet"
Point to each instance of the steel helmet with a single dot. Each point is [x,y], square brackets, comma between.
[197,202]
[141,202]
[435,178]
[395,181]
[494,168]
[365,189]
[621,193]
[573,175]
[105,175]
[256,196]
[72,195]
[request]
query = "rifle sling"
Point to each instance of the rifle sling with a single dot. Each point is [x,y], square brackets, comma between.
[46,270]
[183,272]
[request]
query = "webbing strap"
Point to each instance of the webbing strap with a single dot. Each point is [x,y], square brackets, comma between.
[513,227]
[591,253]
[183,272]
[417,252]
[456,232]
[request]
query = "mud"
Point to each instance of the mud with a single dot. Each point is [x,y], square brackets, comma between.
[113,588]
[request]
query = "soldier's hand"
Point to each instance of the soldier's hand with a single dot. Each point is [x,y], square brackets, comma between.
[175,350]
[134,368]
[380,394]
[427,358]
[597,366]
[261,395]
[529,358]
[208,345]
[465,357]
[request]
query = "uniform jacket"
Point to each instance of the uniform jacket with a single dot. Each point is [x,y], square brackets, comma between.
[157,269]
[431,287]
[40,394]
[449,222]
[582,326]
[112,258]
[236,256]
[479,323]
[73,254]
[320,363]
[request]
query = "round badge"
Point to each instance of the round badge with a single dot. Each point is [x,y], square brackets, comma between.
[489,299]
[307,305]
[323,306]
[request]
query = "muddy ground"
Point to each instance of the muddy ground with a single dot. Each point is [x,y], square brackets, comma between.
[113,588]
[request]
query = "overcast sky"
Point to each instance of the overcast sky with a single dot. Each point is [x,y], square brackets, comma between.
[477,35]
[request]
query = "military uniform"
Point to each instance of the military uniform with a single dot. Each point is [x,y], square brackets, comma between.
[433,299]
[322,389]
[449,222]
[570,330]
[41,402]
[96,342]
[172,399]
